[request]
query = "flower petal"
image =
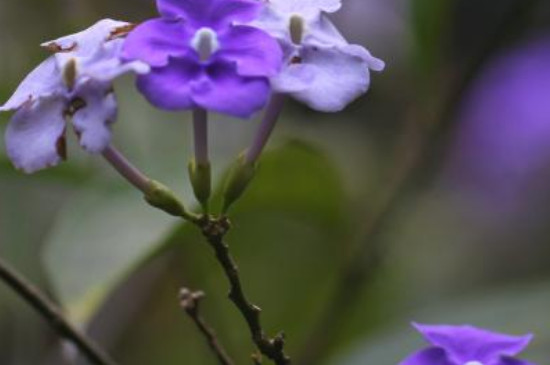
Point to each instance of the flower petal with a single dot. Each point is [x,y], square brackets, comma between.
[35,135]
[156,40]
[323,32]
[467,343]
[169,87]
[222,90]
[85,43]
[294,78]
[512,361]
[338,78]
[254,51]
[92,121]
[43,82]
[429,356]
[306,8]
[213,13]
[106,65]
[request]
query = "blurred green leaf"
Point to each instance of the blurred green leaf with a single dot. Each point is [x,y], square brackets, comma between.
[100,237]
[515,311]
[430,22]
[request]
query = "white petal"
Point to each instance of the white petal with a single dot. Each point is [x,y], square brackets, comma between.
[339,78]
[86,43]
[93,122]
[305,8]
[96,53]
[294,78]
[34,137]
[105,65]
[43,82]
[323,32]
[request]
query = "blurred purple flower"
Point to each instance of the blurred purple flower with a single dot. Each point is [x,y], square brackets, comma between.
[76,82]
[322,69]
[201,59]
[467,345]
[502,146]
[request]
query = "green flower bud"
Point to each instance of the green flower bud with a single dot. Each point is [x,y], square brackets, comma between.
[161,197]
[239,178]
[201,180]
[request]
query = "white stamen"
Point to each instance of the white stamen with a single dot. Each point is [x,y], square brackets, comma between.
[473,363]
[205,42]
[297,28]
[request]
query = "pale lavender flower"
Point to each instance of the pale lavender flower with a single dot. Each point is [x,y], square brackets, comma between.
[467,345]
[75,82]
[201,59]
[322,69]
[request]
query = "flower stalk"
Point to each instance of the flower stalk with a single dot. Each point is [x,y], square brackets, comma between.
[269,121]
[200,171]
[155,193]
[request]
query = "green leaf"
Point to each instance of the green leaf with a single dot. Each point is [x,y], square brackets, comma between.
[430,22]
[99,238]
[515,311]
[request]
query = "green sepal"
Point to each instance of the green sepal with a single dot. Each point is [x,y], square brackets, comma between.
[161,197]
[239,178]
[201,180]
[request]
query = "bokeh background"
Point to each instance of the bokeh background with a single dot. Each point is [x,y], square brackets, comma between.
[427,200]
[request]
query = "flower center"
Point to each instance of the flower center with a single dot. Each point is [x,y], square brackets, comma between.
[473,363]
[297,26]
[205,42]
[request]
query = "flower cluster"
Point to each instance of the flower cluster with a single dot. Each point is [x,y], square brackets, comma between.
[467,345]
[225,56]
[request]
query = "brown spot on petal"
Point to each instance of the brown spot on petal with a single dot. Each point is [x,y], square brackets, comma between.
[56,48]
[74,106]
[121,32]
[296,60]
[61,146]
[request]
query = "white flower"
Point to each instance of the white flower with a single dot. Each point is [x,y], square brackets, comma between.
[322,69]
[75,81]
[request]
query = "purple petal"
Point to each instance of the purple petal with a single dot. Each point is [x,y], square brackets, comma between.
[213,13]
[43,82]
[338,78]
[254,51]
[467,343]
[169,87]
[512,361]
[156,40]
[92,122]
[500,153]
[429,356]
[34,137]
[222,90]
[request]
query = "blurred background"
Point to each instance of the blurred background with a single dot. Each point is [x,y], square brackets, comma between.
[427,200]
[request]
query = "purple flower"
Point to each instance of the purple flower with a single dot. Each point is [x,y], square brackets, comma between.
[200,57]
[75,82]
[500,152]
[467,345]
[322,69]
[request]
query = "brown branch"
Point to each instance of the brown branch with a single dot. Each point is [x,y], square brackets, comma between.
[214,230]
[51,313]
[190,302]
